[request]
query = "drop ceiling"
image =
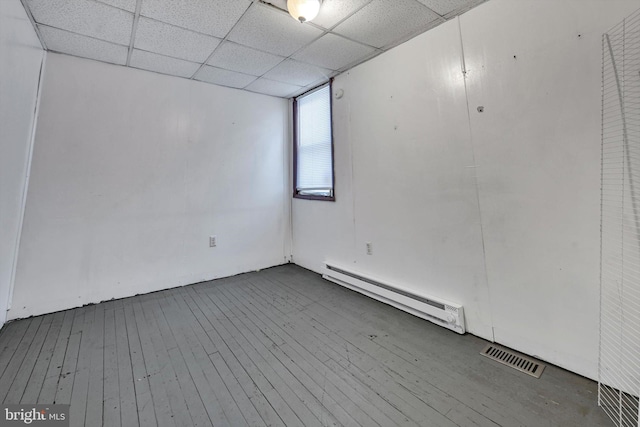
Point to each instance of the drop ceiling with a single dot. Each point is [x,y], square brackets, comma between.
[246,44]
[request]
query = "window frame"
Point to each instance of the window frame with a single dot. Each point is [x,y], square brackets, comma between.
[296,194]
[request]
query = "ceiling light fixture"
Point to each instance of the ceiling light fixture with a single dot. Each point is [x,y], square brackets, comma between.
[303,10]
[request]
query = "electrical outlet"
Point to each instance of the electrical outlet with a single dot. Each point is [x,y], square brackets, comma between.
[369,248]
[213,241]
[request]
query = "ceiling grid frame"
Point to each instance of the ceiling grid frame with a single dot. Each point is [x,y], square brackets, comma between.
[300,67]
[226,37]
[33,23]
[134,30]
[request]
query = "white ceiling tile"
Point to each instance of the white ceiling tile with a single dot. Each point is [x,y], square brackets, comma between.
[224,77]
[281,4]
[85,17]
[333,52]
[85,47]
[214,17]
[162,64]
[158,37]
[444,7]
[175,36]
[232,56]
[129,5]
[273,88]
[297,73]
[333,11]
[382,22]
[272,31]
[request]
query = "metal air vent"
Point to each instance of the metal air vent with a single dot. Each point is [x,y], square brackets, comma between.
[516,361]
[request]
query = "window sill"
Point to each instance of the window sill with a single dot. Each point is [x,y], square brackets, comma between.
[310,197]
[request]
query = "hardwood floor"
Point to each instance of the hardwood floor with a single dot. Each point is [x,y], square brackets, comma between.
[276,347]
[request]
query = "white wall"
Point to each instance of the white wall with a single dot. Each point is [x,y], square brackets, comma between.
[402,178]
[132,171]
[497,210]
[539,155]
[21,57]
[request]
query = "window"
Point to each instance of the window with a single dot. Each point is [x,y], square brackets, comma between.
[313,145]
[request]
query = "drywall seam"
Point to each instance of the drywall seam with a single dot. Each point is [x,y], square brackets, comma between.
[23,205]
[475,179]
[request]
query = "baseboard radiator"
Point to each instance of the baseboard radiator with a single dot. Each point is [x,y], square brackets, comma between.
[436,310]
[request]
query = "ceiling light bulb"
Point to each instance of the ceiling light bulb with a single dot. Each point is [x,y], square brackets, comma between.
[303,10]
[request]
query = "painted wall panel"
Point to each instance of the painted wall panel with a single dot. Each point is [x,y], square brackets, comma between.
[403,119]
[21,57]
[133,171]
[536,68]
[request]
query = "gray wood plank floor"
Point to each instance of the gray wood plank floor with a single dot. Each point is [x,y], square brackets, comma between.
[276,347]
